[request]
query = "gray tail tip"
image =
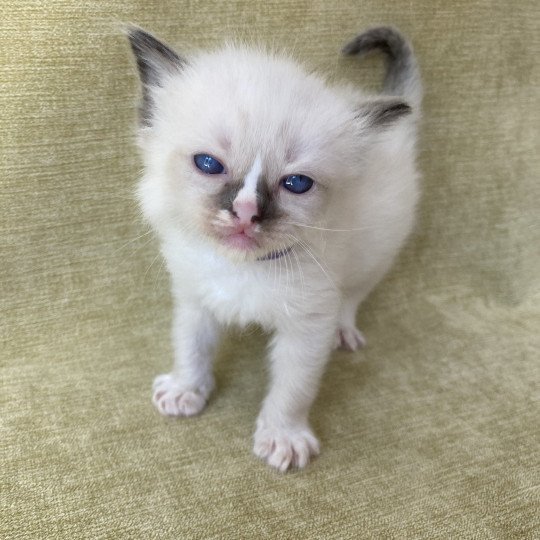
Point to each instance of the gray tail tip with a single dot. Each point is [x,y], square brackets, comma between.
[384,38]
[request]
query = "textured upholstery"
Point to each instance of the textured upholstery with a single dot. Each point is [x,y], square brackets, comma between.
[431,432]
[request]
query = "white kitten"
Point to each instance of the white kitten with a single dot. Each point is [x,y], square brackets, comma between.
[277,200]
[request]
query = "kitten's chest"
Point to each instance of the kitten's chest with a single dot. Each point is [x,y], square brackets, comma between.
[257,292]
[241,298]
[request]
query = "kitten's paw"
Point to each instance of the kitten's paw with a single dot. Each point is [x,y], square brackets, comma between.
[285,448]
[349,338]
[172,398]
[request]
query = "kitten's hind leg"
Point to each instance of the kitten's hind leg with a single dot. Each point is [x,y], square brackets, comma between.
[348,337]
[185,390]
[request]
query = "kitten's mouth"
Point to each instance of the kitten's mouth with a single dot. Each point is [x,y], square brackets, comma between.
[241,240]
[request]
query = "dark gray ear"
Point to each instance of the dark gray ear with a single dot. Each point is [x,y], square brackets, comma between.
[154,60]
[383,112]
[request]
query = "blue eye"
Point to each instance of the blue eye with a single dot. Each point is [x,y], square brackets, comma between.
[208,164]
[297,183]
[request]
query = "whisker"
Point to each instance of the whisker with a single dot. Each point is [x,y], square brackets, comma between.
[131,241]
[156,281]
[327,229]
[305,247]
[151,264]
[279,261]
[138,248]
[300,271]
[286,261]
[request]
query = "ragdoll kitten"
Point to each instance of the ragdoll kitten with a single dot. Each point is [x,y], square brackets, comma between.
[279,200]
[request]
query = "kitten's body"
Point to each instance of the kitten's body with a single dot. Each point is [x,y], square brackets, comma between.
[303,262]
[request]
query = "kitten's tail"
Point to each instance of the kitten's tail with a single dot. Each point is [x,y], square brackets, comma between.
[402,73]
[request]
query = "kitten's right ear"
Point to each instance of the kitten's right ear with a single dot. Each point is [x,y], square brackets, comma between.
[155,60]
[382,112]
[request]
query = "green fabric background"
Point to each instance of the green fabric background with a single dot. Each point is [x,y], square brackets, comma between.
[430,432]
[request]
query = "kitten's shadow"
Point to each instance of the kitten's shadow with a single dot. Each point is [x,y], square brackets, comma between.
[336,405]
[240,363]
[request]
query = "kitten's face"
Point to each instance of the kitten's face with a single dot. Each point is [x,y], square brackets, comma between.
[246,150]
[241,147]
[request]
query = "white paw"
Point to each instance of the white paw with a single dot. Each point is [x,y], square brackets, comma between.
[349,338]
[285,448]
[172,398]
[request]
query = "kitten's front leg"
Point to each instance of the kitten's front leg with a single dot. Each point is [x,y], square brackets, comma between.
[298,357]
[185,390]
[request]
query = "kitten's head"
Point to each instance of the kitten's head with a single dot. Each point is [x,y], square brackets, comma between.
[244,148]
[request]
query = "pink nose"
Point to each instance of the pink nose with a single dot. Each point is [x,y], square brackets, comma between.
[246,211]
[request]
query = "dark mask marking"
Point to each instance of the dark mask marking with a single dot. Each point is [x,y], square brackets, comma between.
[266,201]
[227,195]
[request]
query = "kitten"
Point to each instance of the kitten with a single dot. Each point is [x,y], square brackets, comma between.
[279,200]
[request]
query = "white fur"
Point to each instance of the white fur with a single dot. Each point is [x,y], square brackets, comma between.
[257,113]
[248,191]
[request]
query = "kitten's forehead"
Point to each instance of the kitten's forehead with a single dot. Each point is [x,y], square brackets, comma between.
[253,103]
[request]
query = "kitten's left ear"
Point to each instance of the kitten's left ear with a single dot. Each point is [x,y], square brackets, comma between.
[155,60]
[382,112]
